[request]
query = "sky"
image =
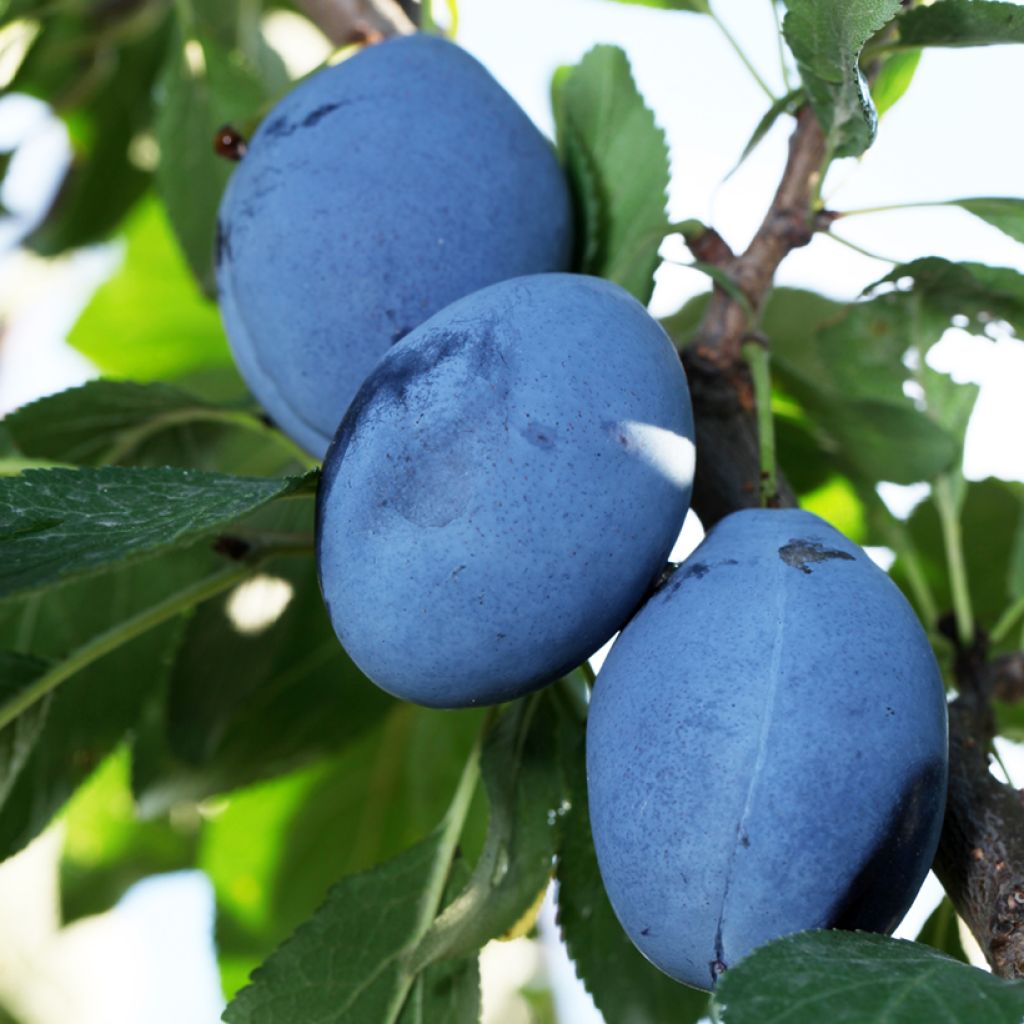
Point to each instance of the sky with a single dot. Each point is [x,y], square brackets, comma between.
[948,138]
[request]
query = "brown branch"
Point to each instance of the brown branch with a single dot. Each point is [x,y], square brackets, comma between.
[348,21]
[980,860]
[728,467]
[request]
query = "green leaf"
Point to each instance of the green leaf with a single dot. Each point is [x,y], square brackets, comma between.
[184,335]
[941,932]
[198,100]
[100,77]
[448,992]
[962,23]
[623,984]
[990,521]
[852,977]
[617,161]
[276,848]
[286,692]
[109,422]
[981,293]
[694,6]
[826,37]
[346,965]
[17,671]
[999,211]
[865,432]
[92,710]
[787,104]
[893,79]
[525,793]
[107,849]
[58,523]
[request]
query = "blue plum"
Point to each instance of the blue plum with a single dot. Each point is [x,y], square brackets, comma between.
[374,194]
[503,490]
[766,748]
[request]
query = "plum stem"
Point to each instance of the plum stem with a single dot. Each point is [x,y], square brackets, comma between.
[949,518]
[759,361]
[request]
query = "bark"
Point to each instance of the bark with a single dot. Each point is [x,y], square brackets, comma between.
[350,21]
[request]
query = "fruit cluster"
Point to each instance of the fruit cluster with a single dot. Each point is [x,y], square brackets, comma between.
[512,458]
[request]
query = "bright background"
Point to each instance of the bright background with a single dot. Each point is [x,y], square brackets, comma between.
[151,959]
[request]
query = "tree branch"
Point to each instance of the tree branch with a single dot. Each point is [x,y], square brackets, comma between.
[728,465]
[349,21]
[980,860]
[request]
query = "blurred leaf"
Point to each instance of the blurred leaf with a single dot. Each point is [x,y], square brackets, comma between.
[695,6]
[277,847]
[347,965]
[826,37]
[844,366]
[183,334]
[91,711]
[802,457]
[198,99]
[852,977]
[17,672]
[112,422]
[975,291]
[60,523]
[941,932]
[98,70]
[617,162]
[285,693]
[525,794]
[999,211]
[962,23]
[865,431]
[837,502]
[788,104]
[107,849]
[893,79]
[990,523]
[623,984]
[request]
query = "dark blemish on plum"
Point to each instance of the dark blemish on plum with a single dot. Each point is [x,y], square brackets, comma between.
[889,712]
[875,899]
[316,116]
[457,570]
[744,839]
[281,127]
[222,248]
[799,553]
[645,931]
[698,570]
[500,636]
[539,435]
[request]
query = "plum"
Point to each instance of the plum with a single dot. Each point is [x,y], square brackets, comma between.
[375,193]
[503,490]
[766,748]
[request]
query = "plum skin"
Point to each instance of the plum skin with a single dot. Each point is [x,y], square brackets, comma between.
[766,748]
[503,490]
[375,193]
